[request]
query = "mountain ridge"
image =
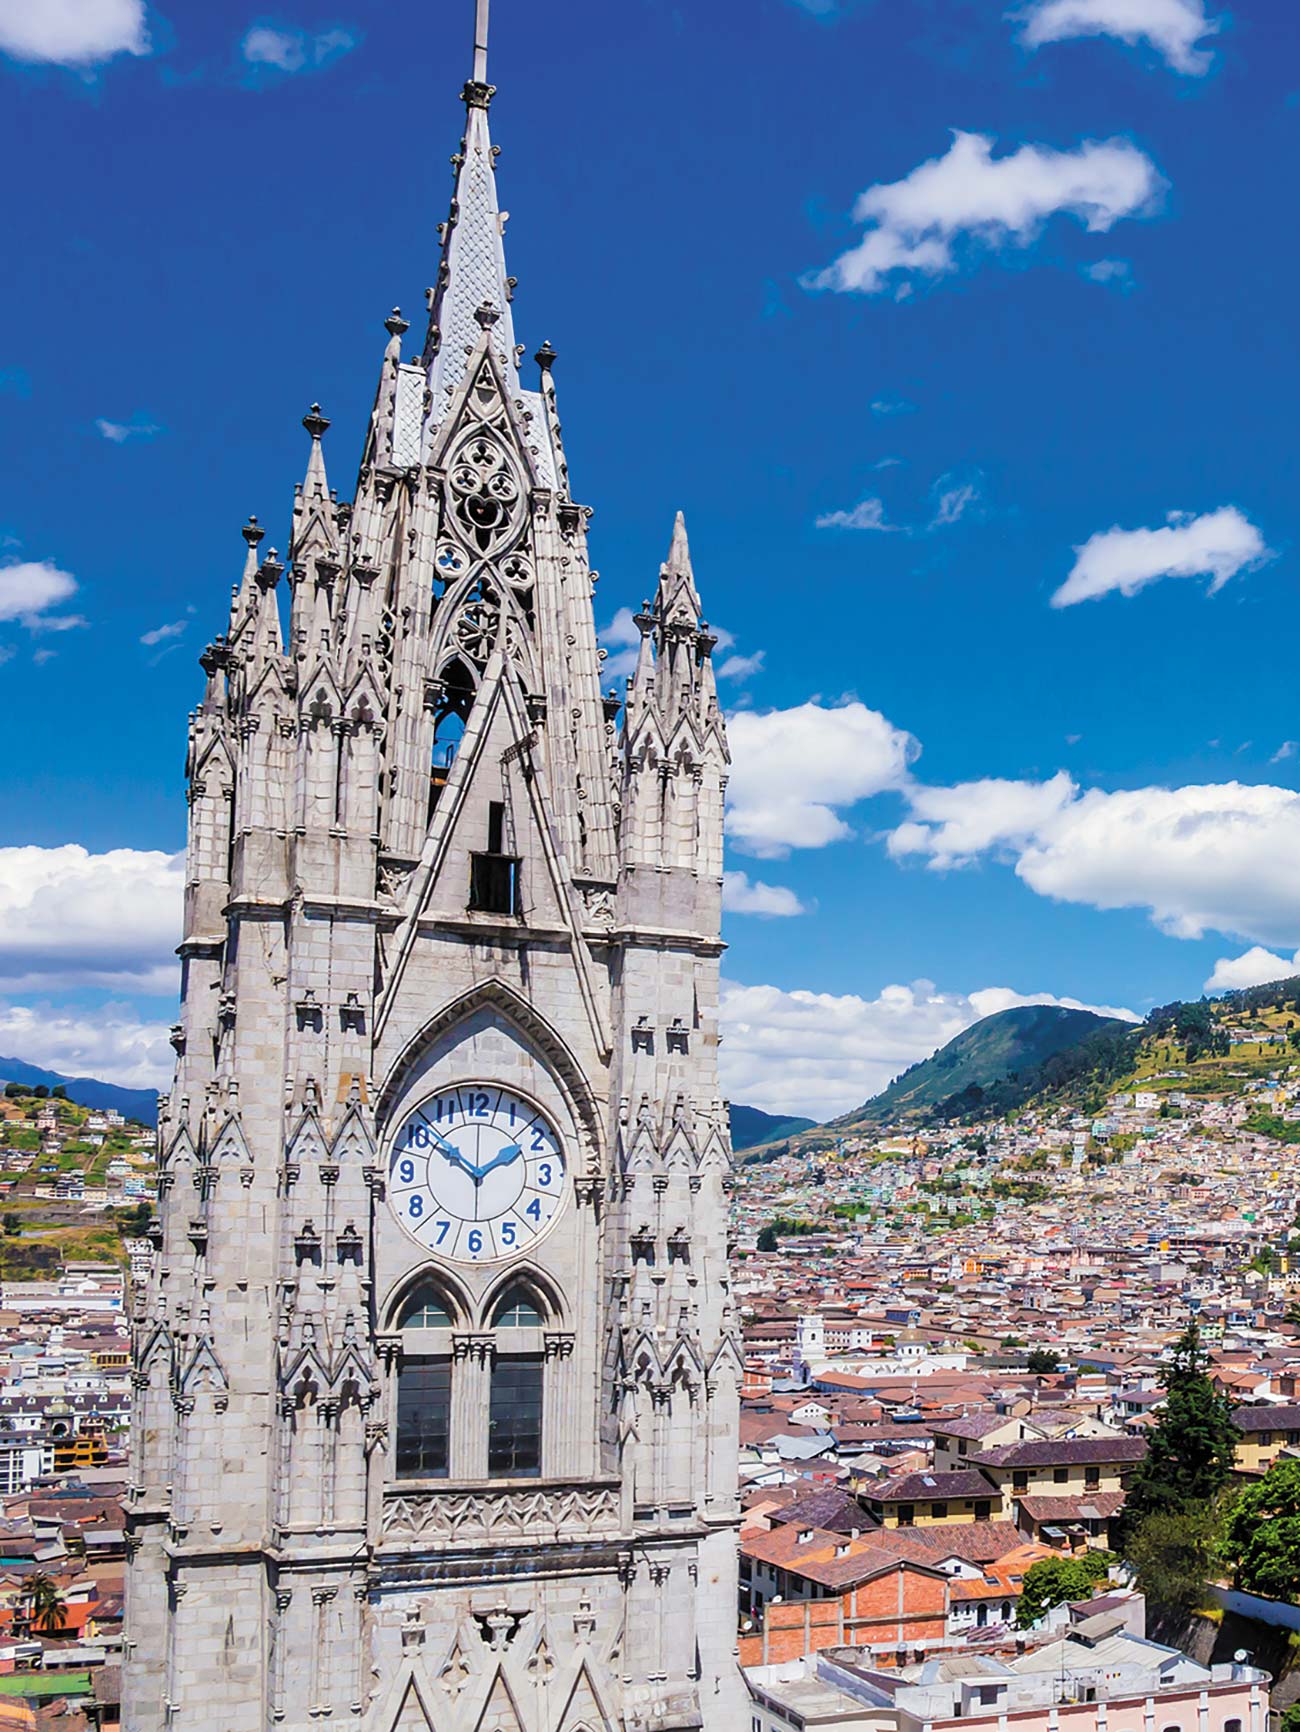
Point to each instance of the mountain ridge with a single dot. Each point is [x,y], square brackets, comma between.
[140,1104]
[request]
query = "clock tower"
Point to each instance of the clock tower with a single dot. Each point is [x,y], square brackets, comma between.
[436,1377]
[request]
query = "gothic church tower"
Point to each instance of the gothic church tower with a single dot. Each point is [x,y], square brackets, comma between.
[436,1379]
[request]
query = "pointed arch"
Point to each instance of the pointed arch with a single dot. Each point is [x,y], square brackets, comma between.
[532,1027]
[526,1279]
[438,1284]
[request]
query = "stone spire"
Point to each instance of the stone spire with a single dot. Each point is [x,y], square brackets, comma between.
[472,271]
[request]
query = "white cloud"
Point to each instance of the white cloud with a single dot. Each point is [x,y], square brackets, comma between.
[819,1054]
[69,919]
[72,32]
[1173,27]
[29,590]
[1256,968]
[119,432]
[891,406]
[792,769]
[953,826]
[161,633]
[622,638]
[739,896]
[917,226]
[742,667]
[1118,271]
[294,50]
[114,1045]
[1211,858]
[1286,750]
[868,514]
[953,502]
[1217,545]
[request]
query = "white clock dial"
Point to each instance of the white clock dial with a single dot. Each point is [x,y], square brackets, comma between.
[476,1173]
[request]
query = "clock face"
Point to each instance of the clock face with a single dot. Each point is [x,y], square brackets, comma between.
[476,1173]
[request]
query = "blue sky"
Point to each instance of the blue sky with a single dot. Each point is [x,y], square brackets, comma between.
[905,303]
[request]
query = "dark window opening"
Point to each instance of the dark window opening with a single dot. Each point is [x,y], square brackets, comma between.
[494,875]
[426,1311]
[423,1418]
[906,1515]
[983,1509]
[515,1418]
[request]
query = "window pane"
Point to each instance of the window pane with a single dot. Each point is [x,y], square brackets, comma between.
[426,1311]
[515,1421]
[423,1418]
[517,1311]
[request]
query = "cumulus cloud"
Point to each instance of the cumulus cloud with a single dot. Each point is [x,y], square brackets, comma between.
[1174,28]
[77,33]
[121,432]
[114,1045]
[621,639]
[1256,968]
[792,770]
[1218,857]
[1217,545]
[954,826]
[266,47]
[923,225]
[70,918]
[821,1054]
[739,896]
[867,514]
[29,590]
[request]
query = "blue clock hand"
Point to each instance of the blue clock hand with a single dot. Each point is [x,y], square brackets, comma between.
[511,1153]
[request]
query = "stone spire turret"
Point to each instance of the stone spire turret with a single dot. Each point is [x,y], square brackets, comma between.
[472,271]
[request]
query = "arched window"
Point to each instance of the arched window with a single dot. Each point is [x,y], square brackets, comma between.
[426,1311]
[517,1310]
[515,1400]
[424,1387]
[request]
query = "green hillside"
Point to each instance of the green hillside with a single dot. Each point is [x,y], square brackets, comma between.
[750,1127]
[1000,1062]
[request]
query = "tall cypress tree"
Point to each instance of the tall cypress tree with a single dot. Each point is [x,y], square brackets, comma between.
[1192,1445]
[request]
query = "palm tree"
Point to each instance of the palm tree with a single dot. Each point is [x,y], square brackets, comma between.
[46,1608]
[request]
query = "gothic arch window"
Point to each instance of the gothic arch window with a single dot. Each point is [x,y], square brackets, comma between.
[424,1377]
[516,1391]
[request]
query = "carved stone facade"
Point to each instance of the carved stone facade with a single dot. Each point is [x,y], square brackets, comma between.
[428,873]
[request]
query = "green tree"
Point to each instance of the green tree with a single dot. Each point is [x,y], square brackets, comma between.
[58,1092]
[767,1239]
[12,1224]
[1262,1536]
[1052,1581]
[45,1605]
[1173,1555]
[1192,1446]
[1043,1361]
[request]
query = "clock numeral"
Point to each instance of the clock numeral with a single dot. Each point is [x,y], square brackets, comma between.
[534,1209]
[418,1137]
[507,1232]
[475,1242]
[544,1173]
[416,1207]
[444,1227]
[406,1172]
[539,1141]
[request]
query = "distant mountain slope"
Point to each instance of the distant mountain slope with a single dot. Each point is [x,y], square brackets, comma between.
[996,1064]
[139,1104]
[750,1127]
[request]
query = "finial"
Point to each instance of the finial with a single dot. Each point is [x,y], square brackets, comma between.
[486,315]
[395,324]
[545,356]
[315,423]
[481,42]
[253,532]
